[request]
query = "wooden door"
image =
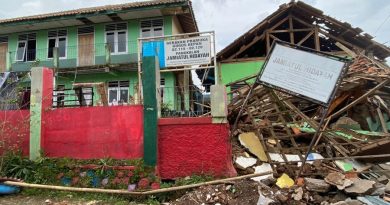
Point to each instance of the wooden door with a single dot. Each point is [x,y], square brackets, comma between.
[3,57]
[86,50]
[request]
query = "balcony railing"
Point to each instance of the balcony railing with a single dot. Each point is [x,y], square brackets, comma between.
[70,56]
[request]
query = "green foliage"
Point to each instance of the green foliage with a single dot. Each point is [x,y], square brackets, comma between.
[15,165]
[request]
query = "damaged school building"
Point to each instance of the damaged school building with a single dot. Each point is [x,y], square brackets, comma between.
[127,102]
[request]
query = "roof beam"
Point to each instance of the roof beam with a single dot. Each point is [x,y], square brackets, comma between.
[243,48]
[85,20]
[114,17]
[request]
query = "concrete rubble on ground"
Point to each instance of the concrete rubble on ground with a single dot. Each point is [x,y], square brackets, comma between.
[350,161]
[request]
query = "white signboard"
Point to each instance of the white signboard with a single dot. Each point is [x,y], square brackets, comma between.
[302,72]
[189,51]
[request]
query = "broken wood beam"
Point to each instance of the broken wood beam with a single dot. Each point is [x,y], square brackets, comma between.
[125,192]
[359,99]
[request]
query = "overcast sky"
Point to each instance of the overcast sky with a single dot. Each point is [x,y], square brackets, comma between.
[231,18]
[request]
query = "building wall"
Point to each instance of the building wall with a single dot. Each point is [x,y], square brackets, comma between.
[237,70]
[94,132]
[15,130]
[71,60]
[176,27]
[188,146]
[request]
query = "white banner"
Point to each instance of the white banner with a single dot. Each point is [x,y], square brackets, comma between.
[189,51]
[302,72]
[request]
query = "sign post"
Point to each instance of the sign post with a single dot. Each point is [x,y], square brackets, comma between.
[304,73]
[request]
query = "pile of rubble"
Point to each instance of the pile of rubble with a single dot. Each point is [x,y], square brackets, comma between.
[272,131]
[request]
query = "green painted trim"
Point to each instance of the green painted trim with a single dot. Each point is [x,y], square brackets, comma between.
[149,67]
[168,21]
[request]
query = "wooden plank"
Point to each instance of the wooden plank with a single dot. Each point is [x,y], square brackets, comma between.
[243,48]
[305,38]
[268,44]
[3,57]
[86,52]
[317,39]
[347,50]
[293,30]
[291,26]
[279,23]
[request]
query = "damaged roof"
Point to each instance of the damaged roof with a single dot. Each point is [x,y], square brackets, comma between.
[187,18]
[311,15]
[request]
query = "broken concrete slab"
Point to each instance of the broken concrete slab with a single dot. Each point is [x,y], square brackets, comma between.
[245,162]
[383,179]
[335,178]
[338,179]
[298,194]
[360,187]
[316,185]
[265,167]
[252,143]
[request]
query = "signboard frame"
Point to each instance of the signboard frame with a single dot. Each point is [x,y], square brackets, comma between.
[192,51]
[344,69]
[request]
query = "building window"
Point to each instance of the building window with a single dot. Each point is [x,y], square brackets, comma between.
[26,50]
[162,88]
[116,37]
[57,39]
[152,28]
[118,93]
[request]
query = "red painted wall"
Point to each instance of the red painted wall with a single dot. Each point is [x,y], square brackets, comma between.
[94,132]
[193,146]
[15,130]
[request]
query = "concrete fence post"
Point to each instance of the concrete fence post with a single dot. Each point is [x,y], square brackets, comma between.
[40,101]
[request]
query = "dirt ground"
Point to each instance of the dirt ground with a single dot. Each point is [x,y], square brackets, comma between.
[239,192]
[38,200]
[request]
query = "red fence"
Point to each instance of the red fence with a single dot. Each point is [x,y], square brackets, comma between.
[189,146]
[94,132]
[15,130]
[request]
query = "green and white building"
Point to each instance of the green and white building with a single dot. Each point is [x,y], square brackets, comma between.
[94,46]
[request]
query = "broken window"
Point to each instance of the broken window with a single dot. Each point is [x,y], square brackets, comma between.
[26,50]
[57,39]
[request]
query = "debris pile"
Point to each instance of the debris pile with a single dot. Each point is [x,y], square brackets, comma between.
[349,162]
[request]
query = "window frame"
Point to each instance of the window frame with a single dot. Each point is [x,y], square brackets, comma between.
[25,55]
[116,38]
[151,27]
[24,51]
[118,90]
[56,38]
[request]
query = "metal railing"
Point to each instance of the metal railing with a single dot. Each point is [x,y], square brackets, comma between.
[70,56]
[116,93]
[79,97]
[191,101]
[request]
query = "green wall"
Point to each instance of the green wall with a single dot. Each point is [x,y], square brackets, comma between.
[72,45]
[168,21]
[234,71]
